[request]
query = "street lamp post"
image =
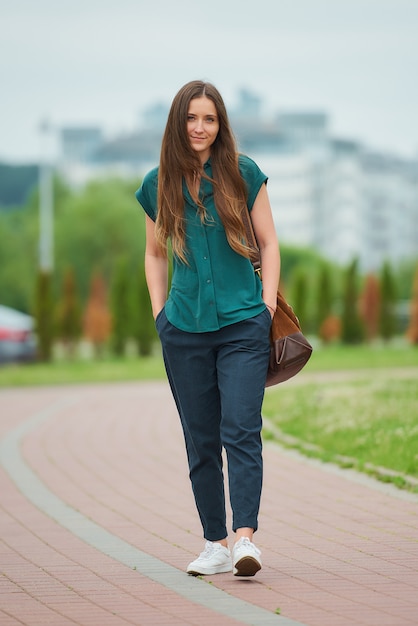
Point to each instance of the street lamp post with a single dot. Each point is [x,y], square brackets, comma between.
[46,203]
[44,306]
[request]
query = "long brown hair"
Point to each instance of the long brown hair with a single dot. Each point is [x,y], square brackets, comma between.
[179,161]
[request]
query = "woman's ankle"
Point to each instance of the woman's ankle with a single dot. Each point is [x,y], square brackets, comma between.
[244,532]
[223,542]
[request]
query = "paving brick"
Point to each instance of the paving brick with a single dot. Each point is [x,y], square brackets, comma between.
[336,551]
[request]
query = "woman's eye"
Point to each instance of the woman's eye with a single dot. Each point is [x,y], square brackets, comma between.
[190,118]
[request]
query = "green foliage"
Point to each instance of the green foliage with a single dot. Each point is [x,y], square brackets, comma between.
[121,298]
[387,322]
[352,330]
[44,318]
[324,294]
[131,311]
[18,260]
[370,306]
[92,229]
[68,313]
[298,267]
[16,182]
[145,333]
[299,297]
[404,277]
[19,244]
[99,226]
[295,259]
[367,420]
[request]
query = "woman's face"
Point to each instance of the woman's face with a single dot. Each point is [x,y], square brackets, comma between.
[202,126]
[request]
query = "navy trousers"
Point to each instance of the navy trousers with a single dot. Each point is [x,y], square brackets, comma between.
[217,380]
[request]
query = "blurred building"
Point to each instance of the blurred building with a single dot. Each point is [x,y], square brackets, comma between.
[338,196]
[329,193]
[80,144]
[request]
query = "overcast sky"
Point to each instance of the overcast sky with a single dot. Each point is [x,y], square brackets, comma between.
[101,62]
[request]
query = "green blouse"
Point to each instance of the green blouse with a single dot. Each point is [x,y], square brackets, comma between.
[218,287]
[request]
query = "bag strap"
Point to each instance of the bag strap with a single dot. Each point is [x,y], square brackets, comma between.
[255,257]
[285,322]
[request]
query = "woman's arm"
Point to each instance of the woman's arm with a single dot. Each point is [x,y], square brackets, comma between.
[156,269]
[268,244]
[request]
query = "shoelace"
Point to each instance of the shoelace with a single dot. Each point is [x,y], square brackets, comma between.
[208,551]
[244,541]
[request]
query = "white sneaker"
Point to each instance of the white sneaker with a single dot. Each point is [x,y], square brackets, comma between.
[215,559]
[246,558]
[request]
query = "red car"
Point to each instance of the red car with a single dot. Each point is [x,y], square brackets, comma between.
[17,339]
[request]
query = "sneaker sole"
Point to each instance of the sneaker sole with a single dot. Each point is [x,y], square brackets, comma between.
[247,566]
[209,571]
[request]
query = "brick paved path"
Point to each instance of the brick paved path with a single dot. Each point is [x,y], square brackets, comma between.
[97,524]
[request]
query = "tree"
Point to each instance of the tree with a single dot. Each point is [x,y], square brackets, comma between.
[16,182]
[97,319]
[405,273]
[299,297]
[324,295]
[44,316]
[19,230]
[294,259]
[144,326]
[98,226]
[121,303]
[412,332]
[370,306]
[352,329]
[387,321]
[330,329]
[68,313]
[18,259]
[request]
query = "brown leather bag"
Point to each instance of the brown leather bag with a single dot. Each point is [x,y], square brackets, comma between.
[289,348]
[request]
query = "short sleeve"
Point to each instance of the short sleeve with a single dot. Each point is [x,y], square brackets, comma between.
[253,177]
[147,194]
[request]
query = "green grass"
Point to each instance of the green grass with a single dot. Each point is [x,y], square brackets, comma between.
[337,357]
[82,371]
[369,422]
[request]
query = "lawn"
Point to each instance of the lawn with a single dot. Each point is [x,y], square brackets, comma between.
[367,421]
[82,371]
[337,357]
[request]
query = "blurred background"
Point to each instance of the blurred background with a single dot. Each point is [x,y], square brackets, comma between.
[322,95]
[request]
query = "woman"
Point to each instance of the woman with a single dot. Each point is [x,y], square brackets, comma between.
[214,325]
